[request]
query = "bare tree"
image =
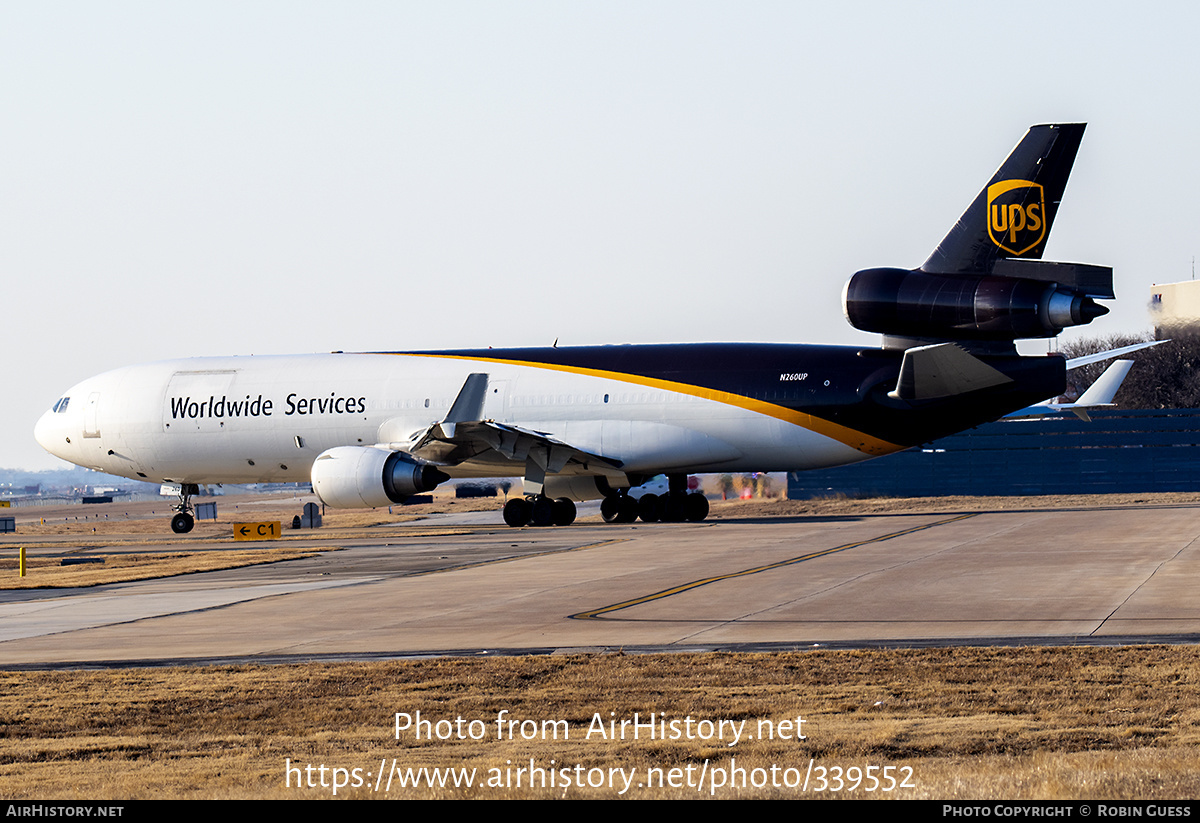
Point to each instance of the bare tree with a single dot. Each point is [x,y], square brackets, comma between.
[1163,377]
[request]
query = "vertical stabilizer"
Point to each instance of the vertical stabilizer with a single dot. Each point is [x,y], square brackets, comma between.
[1013,214]
[987,281]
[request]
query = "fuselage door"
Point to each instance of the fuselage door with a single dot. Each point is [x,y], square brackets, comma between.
[91,420]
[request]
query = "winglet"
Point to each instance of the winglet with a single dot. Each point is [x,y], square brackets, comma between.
[468,406]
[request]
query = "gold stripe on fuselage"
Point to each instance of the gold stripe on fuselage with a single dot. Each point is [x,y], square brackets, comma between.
[860,441]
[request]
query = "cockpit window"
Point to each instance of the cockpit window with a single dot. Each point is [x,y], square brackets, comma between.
[61,405]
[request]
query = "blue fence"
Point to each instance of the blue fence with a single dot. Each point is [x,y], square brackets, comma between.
[1141,450]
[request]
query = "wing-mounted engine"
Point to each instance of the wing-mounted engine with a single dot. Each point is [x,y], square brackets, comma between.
[986,281]
[357,477]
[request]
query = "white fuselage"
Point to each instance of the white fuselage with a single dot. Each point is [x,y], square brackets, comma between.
[265,419]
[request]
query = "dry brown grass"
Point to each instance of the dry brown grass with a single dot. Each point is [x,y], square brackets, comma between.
[49,573]
[971,723]
[152,518]
[115,531]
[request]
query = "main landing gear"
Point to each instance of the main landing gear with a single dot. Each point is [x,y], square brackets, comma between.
[535,508]
[539,510]
[674,507]
[183,521]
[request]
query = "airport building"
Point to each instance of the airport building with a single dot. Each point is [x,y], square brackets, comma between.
[1175,306]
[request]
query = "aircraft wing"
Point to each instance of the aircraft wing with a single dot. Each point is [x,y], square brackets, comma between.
[464,436]
[454,443]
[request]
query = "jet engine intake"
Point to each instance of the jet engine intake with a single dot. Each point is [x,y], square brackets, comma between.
[358,477]
[915,304]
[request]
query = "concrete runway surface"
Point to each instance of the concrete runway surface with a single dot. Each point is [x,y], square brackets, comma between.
[1065,575]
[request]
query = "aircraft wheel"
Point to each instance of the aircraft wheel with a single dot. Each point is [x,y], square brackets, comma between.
[516,512]
[696,508]
[674,508]
[182,523]
[542,513]
[649,508]
[563,512]
[610,508]
[629,509]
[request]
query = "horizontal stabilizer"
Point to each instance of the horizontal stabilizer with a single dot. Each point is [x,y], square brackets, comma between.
[1088,359]
[943,370]
[1079,278]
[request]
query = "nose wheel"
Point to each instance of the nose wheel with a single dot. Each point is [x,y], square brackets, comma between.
[183,521]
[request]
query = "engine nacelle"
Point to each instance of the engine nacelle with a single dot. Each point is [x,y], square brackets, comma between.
[916,304]
[359,477]
[578,487]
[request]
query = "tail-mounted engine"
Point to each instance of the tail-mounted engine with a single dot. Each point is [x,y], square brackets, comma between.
[986,280]
[358,477]
[916,304]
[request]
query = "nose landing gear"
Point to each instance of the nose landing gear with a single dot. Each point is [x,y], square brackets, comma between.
[184,521]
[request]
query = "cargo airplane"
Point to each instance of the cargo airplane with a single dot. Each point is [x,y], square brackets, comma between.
[592,422]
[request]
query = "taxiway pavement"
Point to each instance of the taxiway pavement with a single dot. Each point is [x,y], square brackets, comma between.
[1067,575]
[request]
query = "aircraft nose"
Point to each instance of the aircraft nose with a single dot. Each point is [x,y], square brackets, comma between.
[50,433]
[41,432]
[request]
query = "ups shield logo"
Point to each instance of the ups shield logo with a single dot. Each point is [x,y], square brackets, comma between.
[1016,215]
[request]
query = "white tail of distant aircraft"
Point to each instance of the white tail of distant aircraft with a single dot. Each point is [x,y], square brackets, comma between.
[1099,395]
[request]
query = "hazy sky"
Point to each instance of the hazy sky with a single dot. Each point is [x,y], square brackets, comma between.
[203,178]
